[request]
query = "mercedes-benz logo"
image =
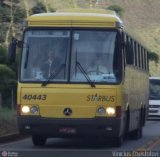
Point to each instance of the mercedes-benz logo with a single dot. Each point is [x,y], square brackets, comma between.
[67,111]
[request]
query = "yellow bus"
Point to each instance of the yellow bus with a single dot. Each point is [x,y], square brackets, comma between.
[75,98]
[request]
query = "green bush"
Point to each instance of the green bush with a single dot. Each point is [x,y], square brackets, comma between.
[7,77]
[3,30]
[52,9]
[7,114]
[14,66]
[152,56]
[3,55]
[119,10]
[2,35]
[39,8]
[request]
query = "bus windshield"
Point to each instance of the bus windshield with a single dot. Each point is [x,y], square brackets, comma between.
[54,55]
[154,89]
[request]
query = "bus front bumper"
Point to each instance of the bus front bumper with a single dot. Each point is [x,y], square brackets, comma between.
[54,127]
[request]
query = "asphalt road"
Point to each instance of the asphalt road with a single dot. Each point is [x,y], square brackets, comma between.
[150,144]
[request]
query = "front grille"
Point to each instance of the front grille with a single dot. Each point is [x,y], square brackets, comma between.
[153,111]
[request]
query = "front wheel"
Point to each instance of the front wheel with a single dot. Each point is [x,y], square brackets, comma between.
[38,140]
[118,141]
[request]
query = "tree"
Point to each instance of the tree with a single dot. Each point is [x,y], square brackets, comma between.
[18,14]
[3,55]
[52,9]
[152,56]
[5,14]
[39,8]
[7,77]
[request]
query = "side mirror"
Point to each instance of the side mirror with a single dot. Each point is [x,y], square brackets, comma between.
[12,50]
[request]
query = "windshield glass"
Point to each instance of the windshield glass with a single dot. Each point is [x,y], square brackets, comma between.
[96,51]
[45,54]
[154,89]
[53,56]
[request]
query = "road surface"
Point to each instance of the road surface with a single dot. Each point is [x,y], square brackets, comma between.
[149,145]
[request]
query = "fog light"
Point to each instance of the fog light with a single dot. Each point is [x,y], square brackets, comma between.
[101,111]
[25,109]
[34,109]
[110,111]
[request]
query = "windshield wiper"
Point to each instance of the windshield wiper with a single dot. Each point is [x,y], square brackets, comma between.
[85,74]
[53,75]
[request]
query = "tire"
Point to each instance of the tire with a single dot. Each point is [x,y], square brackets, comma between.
[38,140]
[144,117]
[118,141]
[137,134]
[127,124]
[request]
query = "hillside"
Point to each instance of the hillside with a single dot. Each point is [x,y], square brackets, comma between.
[141,18]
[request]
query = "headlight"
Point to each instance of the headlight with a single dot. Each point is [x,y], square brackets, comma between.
[25,109]
[34,109]
[101,111]
[110,111]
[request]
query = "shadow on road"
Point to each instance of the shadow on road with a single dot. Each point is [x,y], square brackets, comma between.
[78,143]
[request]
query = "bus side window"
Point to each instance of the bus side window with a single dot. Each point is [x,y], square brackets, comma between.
[129,52]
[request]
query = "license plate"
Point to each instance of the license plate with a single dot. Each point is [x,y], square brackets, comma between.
[67,130]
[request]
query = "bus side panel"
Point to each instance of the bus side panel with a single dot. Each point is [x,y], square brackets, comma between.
[136,94]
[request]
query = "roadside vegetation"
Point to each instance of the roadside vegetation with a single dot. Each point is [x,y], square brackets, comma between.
[7,122]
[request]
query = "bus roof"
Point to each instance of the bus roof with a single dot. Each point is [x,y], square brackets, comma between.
[76,18]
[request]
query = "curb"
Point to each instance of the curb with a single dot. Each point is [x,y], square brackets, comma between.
[11,138]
